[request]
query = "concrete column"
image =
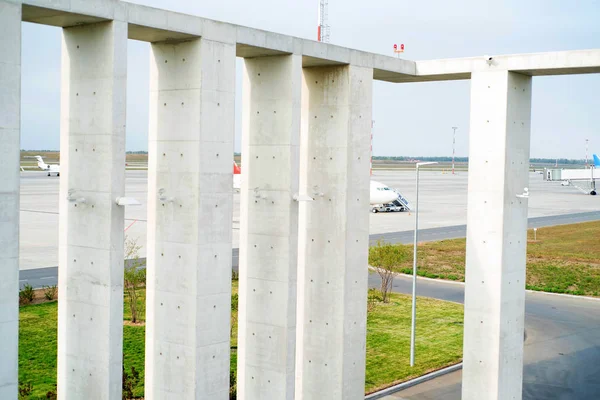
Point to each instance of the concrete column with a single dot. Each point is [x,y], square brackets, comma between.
[190,199]
[90,274]
[496,235]
[333,232]
[269,227]
[10,125]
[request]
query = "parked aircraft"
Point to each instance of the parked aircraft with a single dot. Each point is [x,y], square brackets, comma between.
[51,168]
[381,194]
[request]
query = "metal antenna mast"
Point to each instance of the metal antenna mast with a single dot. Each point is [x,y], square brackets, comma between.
[323,27]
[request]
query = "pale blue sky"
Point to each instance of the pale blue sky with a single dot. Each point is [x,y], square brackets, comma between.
[411,119]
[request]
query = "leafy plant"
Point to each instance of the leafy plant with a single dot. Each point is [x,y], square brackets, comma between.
[51,394]
[134,280]
[50,292]
[130,381]
[372,300]
[385,259]
[232,384]
[26,294]
[25,390]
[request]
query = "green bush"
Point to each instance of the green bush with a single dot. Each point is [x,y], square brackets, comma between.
[234,302]
[26,294]
[50,292]
[386,258]
[25,390]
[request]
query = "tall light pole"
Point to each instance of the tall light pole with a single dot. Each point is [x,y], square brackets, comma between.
[454,128]
[414,282]
[586,152]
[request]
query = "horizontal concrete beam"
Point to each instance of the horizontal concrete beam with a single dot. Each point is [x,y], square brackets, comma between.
[535,64]
[155,25]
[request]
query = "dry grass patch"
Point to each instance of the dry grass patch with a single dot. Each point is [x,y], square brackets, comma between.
[563,259]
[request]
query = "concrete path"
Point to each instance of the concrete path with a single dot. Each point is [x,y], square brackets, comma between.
[562,345]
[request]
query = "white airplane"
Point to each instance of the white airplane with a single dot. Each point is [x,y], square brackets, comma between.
[51,168]
[379,193]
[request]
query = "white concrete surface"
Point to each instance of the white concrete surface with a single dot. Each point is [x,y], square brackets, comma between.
[269,228]
[496,236]
[10,125]
[333,233]
[190,204]
[151,24]
[90,280]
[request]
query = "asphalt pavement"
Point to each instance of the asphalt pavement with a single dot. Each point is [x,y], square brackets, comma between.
[561,349]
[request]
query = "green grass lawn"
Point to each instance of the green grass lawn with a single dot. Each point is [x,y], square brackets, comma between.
[439,343]
[563,259]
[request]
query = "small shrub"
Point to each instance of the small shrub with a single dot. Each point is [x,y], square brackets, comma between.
[235,276]
[386,258]
[232,385]
[25,390]
[50,292]
[134,279]
[26,294]
[130,381]
[51,394]
[234,302]
[372,300]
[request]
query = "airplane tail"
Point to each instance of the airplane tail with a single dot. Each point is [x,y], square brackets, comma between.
[596,161]
[41,162]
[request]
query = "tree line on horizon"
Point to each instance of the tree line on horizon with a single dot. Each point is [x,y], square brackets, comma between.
[466,159]
[562,161]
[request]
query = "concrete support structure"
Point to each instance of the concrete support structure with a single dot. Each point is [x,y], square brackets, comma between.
[190,204]
[90,277]
[333,232]
[269,227]
[496,235]
[10,125]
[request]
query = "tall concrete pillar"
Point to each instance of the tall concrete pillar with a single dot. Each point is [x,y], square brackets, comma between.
[92,166]
[496,235]
[269,227]
[10,125]
[333,232]
[190,197]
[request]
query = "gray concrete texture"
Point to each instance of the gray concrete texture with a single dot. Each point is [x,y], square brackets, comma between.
[443,198]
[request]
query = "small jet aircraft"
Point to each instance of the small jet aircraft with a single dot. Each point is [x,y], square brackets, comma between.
[51,168]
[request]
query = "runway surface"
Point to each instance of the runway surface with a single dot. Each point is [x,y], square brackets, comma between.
[443,200]
[48,276]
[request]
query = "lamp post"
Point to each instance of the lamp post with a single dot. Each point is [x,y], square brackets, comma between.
[454,128]
[414,282]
